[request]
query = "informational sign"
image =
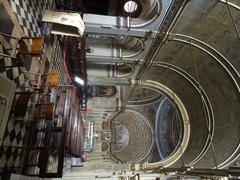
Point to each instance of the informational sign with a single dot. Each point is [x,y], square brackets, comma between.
[88,144]
[64,23]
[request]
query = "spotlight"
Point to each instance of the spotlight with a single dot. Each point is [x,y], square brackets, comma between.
[79,80]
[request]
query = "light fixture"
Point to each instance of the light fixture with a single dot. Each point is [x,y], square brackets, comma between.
[130,6]
[79,80]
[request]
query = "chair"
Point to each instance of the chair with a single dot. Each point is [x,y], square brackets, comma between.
[22,48]
[5,46]
[40,110]
[45,109]
[36,47]
[42,80]
[53,79]
[21,105]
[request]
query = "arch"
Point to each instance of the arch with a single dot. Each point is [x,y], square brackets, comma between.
[230,70]
[168,129]
[145,14]
[131,46]
[152,10]
[162,89]
[124,70]
[139,144]
[223,61]
[106,91]
[206,102]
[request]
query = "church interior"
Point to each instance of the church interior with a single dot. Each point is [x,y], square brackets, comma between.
[119,89]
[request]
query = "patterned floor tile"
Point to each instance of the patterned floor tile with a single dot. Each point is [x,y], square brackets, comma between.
[1,149]
[7,141]
[6,23]
[2,65]
[17,128]
[19,138]
[3,161]
[28,14]
[8,153]
[12,135]
[15,154]
[10,160]
[17,161]
[58,65]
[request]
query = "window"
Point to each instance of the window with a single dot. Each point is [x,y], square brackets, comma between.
[130,6]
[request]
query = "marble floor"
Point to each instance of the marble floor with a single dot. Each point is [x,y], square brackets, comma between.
[20,18]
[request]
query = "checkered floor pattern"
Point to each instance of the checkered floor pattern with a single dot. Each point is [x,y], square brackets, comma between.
[58,65]
[14,136]
[13,73]
[15,131]
[29,14]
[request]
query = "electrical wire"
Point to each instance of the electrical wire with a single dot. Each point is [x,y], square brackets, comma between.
[232,18]
[204,109]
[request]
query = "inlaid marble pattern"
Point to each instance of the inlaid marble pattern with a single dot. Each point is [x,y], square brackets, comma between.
[29,14]
[20,18]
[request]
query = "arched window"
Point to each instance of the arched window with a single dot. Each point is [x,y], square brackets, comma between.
[132,8]
[106,91]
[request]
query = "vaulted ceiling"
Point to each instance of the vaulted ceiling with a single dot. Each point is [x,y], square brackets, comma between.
[193,61]
[203,45]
